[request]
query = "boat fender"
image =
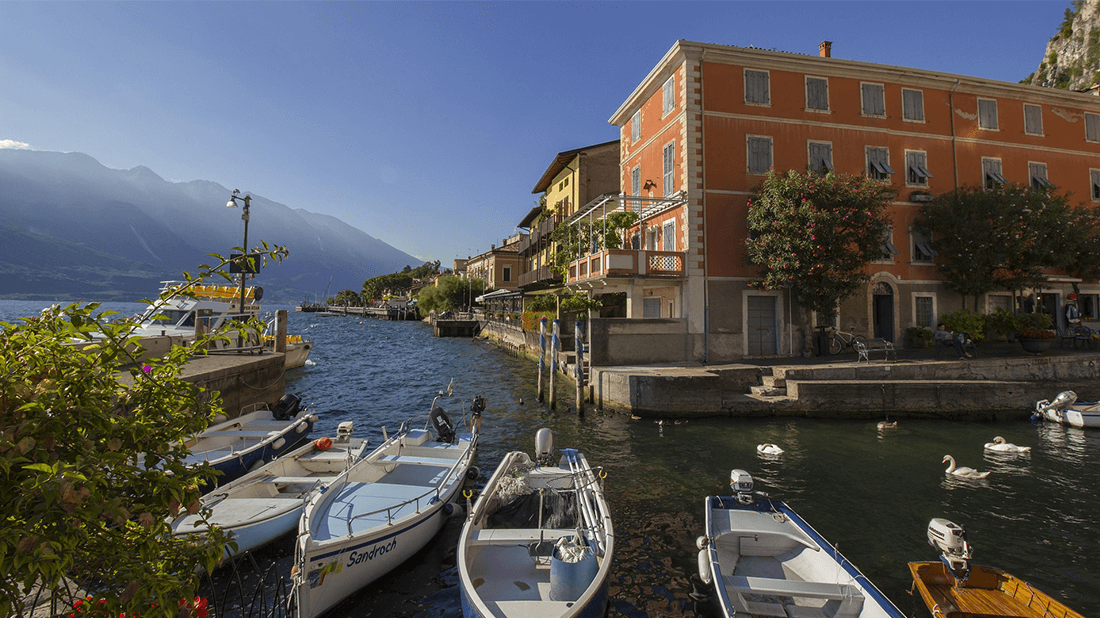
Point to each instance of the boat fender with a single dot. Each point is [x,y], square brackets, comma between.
[702,542]
[301,427]
[704,567]
[452,510]
[278,444]
[448,509]
[218,419]
[472,473]
[323,444]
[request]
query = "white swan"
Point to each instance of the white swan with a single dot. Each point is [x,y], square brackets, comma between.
[964,472]
[998,444]
[883,425]
[768,449]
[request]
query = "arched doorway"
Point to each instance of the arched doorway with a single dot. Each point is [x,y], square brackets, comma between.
[882,310]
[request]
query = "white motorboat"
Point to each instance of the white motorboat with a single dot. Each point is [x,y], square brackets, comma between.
[539,540]
[266,503]
[379,512]
[241,444]
[1067,410]
[765,560]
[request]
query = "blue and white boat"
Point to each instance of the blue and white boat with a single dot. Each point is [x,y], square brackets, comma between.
[379,512]
[1067,410]
[539,540]
[267,503]
[765,560]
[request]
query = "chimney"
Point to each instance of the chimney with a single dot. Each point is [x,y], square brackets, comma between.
[825,49]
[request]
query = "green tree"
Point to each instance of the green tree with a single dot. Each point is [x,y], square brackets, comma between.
[575,240]
[346,297]
[449,294]
[816,234]
[92,451]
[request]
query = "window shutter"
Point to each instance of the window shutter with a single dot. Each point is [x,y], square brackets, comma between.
[636,181]
[1092,127]
[913,102]
[669,98]
[668,156]
[636,127]
[817,93]
[760,155]
[1033,119]
[873,103]
[987,114]
[756,87]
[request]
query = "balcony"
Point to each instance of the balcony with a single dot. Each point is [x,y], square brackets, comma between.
[627,263]
[539,275]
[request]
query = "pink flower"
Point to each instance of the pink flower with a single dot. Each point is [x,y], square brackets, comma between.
[146,368]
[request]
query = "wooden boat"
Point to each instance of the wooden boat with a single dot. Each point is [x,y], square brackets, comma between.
[539,540]
[954,588]
[379,512]
[235,446]
[765,560]
[1067,410]
[266,503]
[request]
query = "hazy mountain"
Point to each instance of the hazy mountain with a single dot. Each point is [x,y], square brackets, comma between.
[1072,58]
[76,229]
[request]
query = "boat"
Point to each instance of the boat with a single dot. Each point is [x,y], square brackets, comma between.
[539,540]
[1067,410]
[297,347]
[257,436]
[763,559]
[381,511]
[266,503]
[955,588]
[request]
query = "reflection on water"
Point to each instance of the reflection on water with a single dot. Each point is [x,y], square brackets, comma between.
[870,492]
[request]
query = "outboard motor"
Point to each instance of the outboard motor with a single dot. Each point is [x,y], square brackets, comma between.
[741,483]
[1053,409]
[949,539]
[544,445]
[476,408]
[343,431]
[442,425]
[287,407]
[257,293]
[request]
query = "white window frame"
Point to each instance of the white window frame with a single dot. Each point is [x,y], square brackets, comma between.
[668,165]
[996,177]
[1043,179]
[863,101]
[872,172]
[915,240]
[905,110]
[768,82]
[996,116]
[908,182]
[748,153]
[1038,107]
[934,317]
[668,96]
[636,127]
[828,167]
[668,235]
[506,274]
[806,81]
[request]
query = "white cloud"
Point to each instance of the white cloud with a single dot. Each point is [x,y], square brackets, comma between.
[10,143]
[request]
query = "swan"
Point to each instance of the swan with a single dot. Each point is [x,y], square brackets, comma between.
[885,425]
[964,472]
[998,444]
[768,449]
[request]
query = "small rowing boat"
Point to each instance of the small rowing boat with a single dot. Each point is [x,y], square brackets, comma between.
[1067,410]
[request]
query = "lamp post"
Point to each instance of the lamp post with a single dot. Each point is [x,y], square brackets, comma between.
[247,199]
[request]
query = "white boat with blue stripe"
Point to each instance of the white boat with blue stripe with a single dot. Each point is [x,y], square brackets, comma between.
[1067,410]
[765,560]
[381,511]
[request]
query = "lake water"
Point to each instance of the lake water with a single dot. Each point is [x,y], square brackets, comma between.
[870,493]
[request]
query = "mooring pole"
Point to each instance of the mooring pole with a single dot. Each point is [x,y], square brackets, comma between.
[555,344]
[542,355]
[578,343]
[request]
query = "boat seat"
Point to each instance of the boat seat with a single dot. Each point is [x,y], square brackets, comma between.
[850,596]
[517,536]
[300,479]
[418,461]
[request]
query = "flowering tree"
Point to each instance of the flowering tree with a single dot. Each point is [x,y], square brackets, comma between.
[815,234]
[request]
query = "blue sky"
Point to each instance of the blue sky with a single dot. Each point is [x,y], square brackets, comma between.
[424,124]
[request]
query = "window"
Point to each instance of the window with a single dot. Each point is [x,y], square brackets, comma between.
[636,180]
[1092,127]
[1033,119]
[668,235]
[821,157]
[999,301]
[507,276]
[669,158]
[651,239]
[924,310]
[916,168]
[878,163]
[1089,306]
[873,100]
[757,90]
[651,307]
[668,97]
[1037,173]
[912,105]
[759,154]
[817,94]
[987,114]
[1094,177]
[636,127]
[922,247]
[991,173]
[887,246]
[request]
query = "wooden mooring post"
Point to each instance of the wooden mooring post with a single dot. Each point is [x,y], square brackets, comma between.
[578,344]
[542,355]
[555,345]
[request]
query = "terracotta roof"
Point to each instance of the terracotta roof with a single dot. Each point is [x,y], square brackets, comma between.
[559,164]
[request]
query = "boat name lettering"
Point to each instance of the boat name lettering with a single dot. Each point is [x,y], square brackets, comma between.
[357,557]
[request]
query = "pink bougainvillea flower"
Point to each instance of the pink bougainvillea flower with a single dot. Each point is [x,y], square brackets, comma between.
[146,368]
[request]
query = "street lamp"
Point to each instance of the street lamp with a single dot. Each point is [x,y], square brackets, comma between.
[247,199]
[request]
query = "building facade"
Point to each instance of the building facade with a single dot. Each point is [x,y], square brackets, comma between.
[499,267]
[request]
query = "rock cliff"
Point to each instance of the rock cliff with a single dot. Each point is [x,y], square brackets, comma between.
[1072,58]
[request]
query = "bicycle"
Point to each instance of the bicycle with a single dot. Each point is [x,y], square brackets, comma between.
[841,340]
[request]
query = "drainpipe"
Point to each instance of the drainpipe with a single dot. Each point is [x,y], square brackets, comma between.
[703,171]
[954,143]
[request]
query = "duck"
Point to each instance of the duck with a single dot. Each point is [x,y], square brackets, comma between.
[887,425]
[768,449]
[998,444]
[969,473]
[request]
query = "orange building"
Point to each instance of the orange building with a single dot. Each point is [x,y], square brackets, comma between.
[702,129]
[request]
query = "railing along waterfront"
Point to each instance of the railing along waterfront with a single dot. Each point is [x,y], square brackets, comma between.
[623,262]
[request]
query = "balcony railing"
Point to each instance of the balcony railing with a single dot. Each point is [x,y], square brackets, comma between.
[536,276]
[623,262]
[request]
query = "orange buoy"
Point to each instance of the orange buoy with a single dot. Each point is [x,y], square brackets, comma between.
[323,444]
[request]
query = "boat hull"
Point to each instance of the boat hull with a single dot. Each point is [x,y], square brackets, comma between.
[235,447]
[987,592]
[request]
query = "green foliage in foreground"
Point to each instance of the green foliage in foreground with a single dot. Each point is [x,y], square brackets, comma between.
[92,448]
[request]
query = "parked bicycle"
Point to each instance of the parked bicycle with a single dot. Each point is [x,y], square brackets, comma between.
[840,341]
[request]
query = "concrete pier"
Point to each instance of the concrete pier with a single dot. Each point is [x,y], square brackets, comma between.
[242,379]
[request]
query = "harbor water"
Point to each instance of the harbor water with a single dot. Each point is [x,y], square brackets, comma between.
[871,493]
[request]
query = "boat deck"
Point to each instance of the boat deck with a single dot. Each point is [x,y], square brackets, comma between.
[526,589]
[988,592]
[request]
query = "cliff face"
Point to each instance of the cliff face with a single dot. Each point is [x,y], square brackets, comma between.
[1072,59]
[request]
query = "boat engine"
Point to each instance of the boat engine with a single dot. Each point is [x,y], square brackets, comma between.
[949,539]
[442,425]
[1053,410]
[287,407]
[741,483]
[544,445]
[343,431]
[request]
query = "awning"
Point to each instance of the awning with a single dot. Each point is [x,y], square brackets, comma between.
[498,295]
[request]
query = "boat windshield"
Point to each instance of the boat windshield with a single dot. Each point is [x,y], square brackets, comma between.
[173,317]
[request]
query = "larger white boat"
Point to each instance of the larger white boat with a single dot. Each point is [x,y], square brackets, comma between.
[539,540]
[765,560]
[1067,410]
[379,512]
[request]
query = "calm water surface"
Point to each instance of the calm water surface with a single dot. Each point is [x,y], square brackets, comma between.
[871,494]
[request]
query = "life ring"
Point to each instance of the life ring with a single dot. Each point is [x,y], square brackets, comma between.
[323,444]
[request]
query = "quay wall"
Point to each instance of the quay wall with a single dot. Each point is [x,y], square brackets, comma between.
[242,379]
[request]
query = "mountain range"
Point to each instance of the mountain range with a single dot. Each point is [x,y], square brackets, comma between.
[73,228]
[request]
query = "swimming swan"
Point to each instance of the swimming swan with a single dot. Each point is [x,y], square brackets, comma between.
[768,449]
[883,425]
[964,472]
[998,444]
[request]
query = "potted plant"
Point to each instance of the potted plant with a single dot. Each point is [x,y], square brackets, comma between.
[1035,341]
[1003,322]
